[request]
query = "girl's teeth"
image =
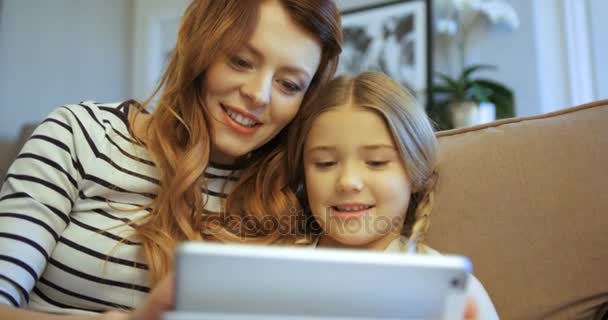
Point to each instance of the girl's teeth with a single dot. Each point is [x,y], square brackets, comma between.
[357,208]
[240,119]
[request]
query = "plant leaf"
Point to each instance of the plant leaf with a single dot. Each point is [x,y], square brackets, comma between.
[495,86]
[441,89]
[501,97]
[479,93]
[448,80]
[457,89]
[476,67]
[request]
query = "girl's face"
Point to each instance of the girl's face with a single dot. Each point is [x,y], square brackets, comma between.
[254,92]
[357,186]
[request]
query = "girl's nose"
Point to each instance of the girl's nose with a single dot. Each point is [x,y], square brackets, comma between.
[350,180]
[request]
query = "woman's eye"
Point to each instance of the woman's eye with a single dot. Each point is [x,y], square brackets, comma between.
[240,62]
[290,86]
[377,164]
[324,164]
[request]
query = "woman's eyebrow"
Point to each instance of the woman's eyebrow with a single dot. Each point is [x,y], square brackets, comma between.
[253,50]
[290,68]
[294,69]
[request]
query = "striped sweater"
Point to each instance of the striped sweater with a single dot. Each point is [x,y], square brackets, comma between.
[62,213]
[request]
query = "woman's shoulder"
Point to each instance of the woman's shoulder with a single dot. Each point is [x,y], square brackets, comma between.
[93,120]
[86,113]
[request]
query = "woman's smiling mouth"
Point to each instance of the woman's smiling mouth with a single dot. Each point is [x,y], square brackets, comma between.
[239,121]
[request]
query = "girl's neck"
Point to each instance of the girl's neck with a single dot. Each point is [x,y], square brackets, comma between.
[381,244]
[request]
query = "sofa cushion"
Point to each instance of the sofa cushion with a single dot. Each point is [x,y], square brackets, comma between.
[527,200]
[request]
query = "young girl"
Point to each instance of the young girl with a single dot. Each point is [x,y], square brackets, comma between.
[363,157]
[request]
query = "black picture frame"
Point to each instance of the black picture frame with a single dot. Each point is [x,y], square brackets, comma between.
[393,37]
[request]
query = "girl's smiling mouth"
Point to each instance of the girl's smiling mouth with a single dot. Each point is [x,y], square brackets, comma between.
[350,210]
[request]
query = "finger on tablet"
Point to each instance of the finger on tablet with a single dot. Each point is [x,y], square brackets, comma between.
[470,311]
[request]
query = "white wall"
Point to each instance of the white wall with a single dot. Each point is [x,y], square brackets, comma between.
[150,16]
[570,43]
[551,55]
[351,4]
[58,52]
[598,23]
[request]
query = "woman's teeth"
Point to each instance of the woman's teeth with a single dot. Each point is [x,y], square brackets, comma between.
[240,119]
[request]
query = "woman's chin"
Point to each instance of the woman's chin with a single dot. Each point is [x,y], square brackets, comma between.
[227,156]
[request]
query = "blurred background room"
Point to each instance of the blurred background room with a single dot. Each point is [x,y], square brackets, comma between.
[546,52]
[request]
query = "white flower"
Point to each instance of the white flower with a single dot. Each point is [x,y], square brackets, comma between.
[446,26]
[500,12]
[461,5]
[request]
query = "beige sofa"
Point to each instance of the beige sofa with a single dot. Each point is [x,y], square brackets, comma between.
[527,200]
[10,148]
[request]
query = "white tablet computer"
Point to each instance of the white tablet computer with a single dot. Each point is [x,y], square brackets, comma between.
[230,281]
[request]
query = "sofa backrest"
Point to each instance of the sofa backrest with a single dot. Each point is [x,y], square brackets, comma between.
[10,148]
[527,200]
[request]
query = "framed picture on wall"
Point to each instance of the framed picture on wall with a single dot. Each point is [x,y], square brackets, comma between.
[391,37]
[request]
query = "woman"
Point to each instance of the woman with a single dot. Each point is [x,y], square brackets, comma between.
[92,208]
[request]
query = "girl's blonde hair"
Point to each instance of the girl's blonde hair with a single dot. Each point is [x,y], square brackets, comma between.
[178,135]
[408,123]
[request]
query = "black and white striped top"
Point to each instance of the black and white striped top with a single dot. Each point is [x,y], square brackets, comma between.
[62,213]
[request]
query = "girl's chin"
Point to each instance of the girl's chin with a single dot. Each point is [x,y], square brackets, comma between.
[355,240]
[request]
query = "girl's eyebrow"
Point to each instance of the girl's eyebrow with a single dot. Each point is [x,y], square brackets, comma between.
[320,148]
[365,147]
[379,146]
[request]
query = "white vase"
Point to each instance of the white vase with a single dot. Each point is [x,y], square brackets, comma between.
[470,113]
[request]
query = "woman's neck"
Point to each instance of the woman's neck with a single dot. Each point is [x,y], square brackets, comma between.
[221,158]
[138,123]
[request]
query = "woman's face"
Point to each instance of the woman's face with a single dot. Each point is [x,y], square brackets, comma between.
[254,92]
[357,186]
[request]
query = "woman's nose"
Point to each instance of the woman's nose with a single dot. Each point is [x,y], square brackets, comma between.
[257,90]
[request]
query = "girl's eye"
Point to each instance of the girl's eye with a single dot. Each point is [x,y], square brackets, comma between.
[240,63]
[377,164]
[324,164]
[290,87]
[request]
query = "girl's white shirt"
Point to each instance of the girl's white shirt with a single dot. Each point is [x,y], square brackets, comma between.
[485,307]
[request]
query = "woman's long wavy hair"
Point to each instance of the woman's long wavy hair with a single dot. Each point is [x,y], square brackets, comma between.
[410,128]
[178,136]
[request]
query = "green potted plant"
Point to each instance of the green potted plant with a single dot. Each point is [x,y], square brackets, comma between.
[464,99]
